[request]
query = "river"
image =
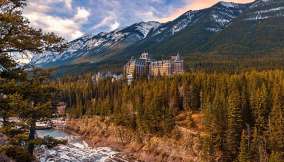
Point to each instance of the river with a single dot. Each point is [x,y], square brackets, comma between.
[76,150]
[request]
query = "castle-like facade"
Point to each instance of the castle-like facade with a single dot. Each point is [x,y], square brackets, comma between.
[146,67]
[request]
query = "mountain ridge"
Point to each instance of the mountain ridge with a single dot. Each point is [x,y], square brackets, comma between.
[161,32]
[221,28]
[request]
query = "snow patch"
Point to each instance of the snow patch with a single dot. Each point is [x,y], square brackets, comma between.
[146,27]
[266,14]
[183,23]
[229,4]
[215,30]
[260,17]
[220,20]
[2,68]
[269,10]
[21,57]
[258,3]
[72,153]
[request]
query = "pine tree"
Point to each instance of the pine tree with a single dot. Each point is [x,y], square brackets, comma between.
[35,104]
[18,36]
[246,109]
[276,157]
[260,109]
[174,100]
[217,123]
[234,125]
[168,120]
[276,124]
[255,145]
[186,97]
[194,99]
[8,107]
[245,150]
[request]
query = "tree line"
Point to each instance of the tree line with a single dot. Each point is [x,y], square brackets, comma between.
[243,113]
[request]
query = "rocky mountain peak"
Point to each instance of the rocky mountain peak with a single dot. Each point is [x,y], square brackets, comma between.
[228,4]
[190,32]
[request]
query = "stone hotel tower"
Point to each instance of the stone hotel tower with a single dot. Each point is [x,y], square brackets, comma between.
[145,67]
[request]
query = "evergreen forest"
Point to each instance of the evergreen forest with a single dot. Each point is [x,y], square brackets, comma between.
[242,112]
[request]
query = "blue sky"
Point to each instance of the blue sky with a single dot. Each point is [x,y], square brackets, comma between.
[74,18]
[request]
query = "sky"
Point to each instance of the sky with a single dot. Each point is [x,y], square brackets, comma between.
[74,18]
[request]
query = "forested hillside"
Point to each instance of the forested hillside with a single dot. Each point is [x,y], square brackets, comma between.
[228,106]
[242,113]
[259,30]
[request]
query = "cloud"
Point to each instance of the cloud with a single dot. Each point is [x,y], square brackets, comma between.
[126,12]
[106,22]
[64,27]
[82,15]
[41,15]
[74,18]
[112,14]
[68,4]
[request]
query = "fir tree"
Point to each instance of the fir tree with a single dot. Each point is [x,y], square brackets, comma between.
[18,36]
[234,124]
[276,157]
[245,150]
[186,97]
[259,104]
[276,124]
[194,97]
[175,103]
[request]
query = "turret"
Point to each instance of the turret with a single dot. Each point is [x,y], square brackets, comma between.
[178,57]
[144,56]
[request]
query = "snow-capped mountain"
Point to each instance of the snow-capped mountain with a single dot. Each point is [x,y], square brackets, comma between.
[258,30]
[214,19]
[225,27]
[265,9]
[220,15]
[92,44]
[223,13]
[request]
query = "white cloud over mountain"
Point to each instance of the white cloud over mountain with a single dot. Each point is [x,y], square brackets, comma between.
[40,14]
[74,18]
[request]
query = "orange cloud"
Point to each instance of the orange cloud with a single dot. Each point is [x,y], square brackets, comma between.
[195,5]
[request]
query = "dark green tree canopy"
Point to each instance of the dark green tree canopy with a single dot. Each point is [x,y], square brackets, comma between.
[16,34]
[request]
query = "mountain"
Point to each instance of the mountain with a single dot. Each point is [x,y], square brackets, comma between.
[141,36]
[198,27]
[258,30]
[224,29]
[92,45]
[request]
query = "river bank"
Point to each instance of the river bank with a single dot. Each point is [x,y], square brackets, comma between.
[182,145]
[76,149]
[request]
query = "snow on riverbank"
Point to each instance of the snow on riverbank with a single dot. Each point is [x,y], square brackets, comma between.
[76,150]
[73,153]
